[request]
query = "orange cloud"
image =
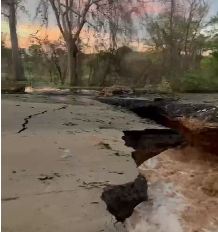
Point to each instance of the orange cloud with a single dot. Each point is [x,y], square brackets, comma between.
[25,31]
[92,41]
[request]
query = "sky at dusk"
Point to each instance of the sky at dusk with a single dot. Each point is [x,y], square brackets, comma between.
[27,26]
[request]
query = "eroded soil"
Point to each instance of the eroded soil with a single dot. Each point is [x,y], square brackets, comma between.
[182,182]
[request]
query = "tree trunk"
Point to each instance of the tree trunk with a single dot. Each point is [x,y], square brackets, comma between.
[72,63]
[61,78]
[50,74]
[172,45]
[17,67]
[58,68]
[91,71]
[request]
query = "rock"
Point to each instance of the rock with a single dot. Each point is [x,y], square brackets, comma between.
[122,199]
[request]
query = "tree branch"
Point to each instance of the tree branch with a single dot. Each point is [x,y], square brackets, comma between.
[57,15]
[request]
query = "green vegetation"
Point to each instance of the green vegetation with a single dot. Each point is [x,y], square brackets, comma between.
[182,54]
[205,79]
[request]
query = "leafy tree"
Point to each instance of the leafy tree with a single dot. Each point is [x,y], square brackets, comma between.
[205,77]
[176,33]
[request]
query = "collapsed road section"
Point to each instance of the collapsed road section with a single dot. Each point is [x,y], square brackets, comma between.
[184,156]
[198,123]
[150,142]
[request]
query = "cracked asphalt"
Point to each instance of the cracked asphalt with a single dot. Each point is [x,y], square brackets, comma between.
[54,170]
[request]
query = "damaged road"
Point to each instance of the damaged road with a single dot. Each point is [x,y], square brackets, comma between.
[27,119]
[122,199]
[192,130]
[78,153]
[198,123]
[56,173]
[150,142]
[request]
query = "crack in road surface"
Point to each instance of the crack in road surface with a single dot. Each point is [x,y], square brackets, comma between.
[9,198]
[27,119]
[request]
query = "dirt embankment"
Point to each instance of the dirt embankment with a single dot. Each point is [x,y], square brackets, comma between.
[189,167]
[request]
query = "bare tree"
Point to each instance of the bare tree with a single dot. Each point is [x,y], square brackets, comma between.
[71,17]
[10,11]
[57,56]
[120,20]
[53,53]
[115,18]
